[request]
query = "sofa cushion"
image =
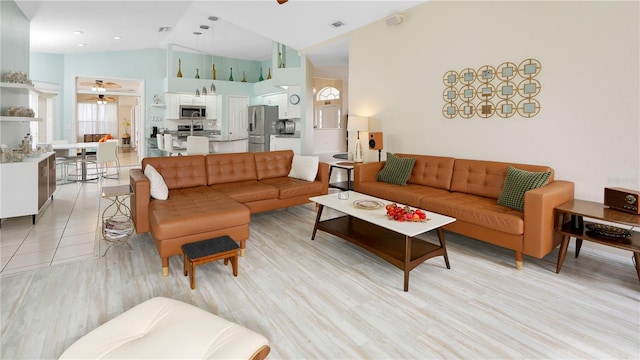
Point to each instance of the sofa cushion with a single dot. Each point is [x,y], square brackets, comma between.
[273,164]
[292,187]
[396,170]
[476,210]
[411,194]
[195,210]
[517,183]
[434,171]
[157,187]
[179,171]
[247,191]
[485,178]
[226,168]
[304,167]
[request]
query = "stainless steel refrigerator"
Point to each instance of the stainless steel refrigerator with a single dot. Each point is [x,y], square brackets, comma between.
[262,123]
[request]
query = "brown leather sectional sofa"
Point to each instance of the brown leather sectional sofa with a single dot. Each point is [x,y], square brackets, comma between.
[214,195]
[468,190]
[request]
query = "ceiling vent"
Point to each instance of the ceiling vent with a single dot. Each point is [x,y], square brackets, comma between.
[164,29]
[393,20]
[337,24]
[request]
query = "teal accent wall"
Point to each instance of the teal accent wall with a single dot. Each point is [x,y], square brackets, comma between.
[50,68]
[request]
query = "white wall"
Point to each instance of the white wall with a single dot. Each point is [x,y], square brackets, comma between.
[588,128]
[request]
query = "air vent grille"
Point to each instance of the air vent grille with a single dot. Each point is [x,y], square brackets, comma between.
[164,29]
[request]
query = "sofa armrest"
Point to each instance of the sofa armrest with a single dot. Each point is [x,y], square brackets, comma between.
[366,172]
[323,176]
[140,199]
[539,207]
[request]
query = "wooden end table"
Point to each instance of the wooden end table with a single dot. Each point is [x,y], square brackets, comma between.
[344,165]
[593,210]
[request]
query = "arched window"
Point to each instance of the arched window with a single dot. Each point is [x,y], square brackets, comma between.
[328,93]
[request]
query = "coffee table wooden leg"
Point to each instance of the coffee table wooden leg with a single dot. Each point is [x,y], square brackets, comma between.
[444,246]
[407,261]
[563,252]
[578,246]
[315,226]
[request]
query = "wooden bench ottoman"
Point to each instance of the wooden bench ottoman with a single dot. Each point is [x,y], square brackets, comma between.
[202,252]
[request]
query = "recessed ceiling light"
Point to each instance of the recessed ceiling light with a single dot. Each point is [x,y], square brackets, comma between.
[204,27]
[77,32]
[82,44]
[164,29]
[337,24]
[117,37]
[213,18]
[197,33]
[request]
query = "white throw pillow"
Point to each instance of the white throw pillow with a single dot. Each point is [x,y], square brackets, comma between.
[159,189]
[304,167]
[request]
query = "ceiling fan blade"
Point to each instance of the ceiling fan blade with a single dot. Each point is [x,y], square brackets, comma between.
[282,1]
[86,83]
[111,85]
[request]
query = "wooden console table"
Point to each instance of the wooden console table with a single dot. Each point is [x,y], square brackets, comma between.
[593,210]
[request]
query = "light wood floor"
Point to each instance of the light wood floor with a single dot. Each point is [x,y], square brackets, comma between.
[327,299]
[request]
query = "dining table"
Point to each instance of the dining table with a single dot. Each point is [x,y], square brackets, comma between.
[83,146]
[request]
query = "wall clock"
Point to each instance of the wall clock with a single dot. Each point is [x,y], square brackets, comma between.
[294,99]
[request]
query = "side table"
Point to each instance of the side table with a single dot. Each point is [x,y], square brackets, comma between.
[117,224]
[345,165]
[593,210]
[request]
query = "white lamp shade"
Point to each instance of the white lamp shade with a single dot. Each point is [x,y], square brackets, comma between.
[358,123]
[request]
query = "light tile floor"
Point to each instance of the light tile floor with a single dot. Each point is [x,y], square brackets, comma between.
[66,230]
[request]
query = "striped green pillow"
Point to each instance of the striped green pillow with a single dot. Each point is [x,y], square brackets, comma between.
[517,183]
[396,170]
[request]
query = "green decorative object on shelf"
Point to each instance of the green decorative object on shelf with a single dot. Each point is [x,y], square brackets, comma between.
[213,71]
[197,73]
[179,68]
[231,75]
[269,74]
[244,77]
[260,78]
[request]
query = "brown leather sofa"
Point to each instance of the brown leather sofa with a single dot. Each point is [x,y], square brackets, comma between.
[468,190]
[214,195]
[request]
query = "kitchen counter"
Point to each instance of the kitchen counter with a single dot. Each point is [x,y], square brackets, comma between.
[31,159]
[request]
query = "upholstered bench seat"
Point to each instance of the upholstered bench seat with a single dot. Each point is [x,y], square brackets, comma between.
[162,328]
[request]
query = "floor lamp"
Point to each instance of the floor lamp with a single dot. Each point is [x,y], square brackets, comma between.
[357,123]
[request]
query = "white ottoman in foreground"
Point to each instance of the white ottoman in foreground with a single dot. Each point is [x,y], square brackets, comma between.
[162,328]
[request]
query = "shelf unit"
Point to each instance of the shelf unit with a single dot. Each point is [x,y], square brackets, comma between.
[19,119]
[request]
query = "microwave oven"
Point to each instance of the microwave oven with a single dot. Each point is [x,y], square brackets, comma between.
[195,111]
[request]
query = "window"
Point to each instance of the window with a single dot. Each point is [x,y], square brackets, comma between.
[328,93]
[97,119]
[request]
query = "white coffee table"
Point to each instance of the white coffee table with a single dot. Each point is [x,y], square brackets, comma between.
[391,240]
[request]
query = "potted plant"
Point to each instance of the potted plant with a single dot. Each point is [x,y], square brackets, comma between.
[126,124]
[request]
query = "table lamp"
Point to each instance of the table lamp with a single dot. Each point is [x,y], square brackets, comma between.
[357,123]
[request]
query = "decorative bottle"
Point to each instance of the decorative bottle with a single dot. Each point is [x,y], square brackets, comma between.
[279,60]
[269,74]
[179,68]
[213,71]
[261,78]
[197,73]
[244,77]
[231,75]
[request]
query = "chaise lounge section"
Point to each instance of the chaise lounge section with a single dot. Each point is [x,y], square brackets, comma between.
[468,190]
[214,195]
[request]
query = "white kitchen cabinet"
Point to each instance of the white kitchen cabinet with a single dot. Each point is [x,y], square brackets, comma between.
[285,143]
[237,117]
[212,106]
[279,99]
[27,186]
[172,111]
[294,107]
[192,100]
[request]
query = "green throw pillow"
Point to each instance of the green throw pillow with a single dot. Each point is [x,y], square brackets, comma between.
[517,183]
[396,170]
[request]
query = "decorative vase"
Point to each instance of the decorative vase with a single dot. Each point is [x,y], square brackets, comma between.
[213,88]
[213,71]
[269,74]
[179,68]
[197,93]
[204,91]
[231,75]
[279,60]
[260,78]
[197,73]
[244,77]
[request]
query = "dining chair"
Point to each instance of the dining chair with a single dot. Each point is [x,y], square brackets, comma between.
[107,153]
[64,158]
[197,145]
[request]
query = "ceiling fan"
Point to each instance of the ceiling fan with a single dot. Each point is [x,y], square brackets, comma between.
[100,85]
[281,1]
[101,99]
